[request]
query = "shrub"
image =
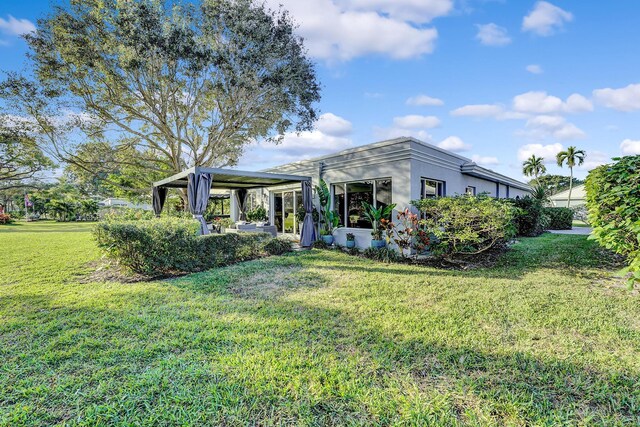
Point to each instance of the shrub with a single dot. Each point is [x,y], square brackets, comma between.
[559,218]
[613,201]
[5,218]
[257,214]
[278,246]
[126,214]
[320,244]
[466,225]
[168,245]
[530,219]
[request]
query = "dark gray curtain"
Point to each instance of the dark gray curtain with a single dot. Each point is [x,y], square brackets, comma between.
[198,191]
[308,233]
[159,196]
[241,199]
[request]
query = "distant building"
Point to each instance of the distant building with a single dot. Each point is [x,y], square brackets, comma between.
[122,203]
[578,197]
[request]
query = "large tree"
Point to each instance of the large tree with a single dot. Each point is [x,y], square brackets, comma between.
[21,161]
[571,157]
[185,83]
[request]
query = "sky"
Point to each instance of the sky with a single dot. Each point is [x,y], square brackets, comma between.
[494,81]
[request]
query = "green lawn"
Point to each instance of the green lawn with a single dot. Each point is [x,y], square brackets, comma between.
[318,338]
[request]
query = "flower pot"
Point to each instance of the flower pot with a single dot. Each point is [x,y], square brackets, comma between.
[351,244]
[328,239]
[377,243]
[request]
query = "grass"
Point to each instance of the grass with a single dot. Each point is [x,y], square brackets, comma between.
[317,338]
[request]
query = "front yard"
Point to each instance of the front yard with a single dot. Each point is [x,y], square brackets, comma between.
[547,337]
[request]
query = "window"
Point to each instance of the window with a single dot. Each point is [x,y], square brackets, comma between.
[348,198]
[470,191]
[432,188]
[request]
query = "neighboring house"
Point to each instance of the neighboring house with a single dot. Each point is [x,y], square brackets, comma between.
[578,197]
[121,203]
[394,171]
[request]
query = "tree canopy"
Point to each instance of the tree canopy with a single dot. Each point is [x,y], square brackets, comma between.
[21,161]
[172,83]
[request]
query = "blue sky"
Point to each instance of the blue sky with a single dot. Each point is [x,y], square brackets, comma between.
[492,80]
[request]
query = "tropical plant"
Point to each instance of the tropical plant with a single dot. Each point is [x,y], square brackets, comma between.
[613,200]
[376,215]
[351,237]
[540,193]
[329,220]
[257,214]
[554,183]
[572,157]
[534,166]
[406,230]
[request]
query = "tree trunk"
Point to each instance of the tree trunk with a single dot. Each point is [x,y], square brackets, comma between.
[570,188]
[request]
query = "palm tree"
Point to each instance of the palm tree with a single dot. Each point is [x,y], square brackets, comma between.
[533,166]
[571,156]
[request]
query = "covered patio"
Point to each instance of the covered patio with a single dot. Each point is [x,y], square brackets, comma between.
[198,181]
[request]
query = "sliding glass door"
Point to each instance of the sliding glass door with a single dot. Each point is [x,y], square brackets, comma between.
[286,205]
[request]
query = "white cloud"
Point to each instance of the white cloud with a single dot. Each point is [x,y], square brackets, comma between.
[544,126]
[539,102]
[423,101]
[16,27]
[534,69]
[623,99]
[594,159]
[341,30]
[333,125]
[418,11]
[485,160]
[492,35]
[478,110]
[577,103]
[455,144]
[397,132]
[545,19]
[547,152]
[415,121]
[630,147]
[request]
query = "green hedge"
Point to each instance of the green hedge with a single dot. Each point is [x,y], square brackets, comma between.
[559,218]
[169,245]
[613,201]
[530,219]
[465,225]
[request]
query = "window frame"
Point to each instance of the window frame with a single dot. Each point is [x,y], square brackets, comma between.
[442,185]
[343,184]
[472,192]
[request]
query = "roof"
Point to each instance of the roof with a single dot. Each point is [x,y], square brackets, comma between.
[578,193]
[469,167]
[231,178]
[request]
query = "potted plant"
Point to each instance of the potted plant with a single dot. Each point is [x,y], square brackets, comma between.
[375,216]
[330,219]
[351,240]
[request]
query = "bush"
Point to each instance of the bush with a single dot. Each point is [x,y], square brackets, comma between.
[466,225]
[5,218]
[278,246]
[126,214]
[530,220]
[613,201]
[169,245]
[559,218]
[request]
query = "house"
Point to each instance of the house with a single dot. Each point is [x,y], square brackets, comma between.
[394,171]
[113,202]
[578,197]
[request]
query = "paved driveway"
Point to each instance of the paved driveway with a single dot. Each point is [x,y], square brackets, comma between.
[583,231]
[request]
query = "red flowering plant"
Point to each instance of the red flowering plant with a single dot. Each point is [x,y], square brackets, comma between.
[407,229]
